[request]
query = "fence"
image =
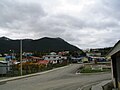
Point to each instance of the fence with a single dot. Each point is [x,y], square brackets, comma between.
[14,70]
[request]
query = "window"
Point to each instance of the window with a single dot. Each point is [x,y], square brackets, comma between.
[54,57]
[49,57]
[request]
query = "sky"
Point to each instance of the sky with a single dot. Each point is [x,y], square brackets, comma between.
[83,23]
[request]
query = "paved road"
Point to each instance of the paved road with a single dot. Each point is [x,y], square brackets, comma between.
[63,79]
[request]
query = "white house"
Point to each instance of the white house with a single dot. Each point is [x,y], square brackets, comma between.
[54,58]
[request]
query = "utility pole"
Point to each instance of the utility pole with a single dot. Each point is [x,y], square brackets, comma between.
[21,57]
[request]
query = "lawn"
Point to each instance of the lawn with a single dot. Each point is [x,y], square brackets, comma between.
[94,69]
[2,58]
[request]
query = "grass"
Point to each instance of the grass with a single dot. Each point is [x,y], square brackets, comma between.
[88,69]
[2,58]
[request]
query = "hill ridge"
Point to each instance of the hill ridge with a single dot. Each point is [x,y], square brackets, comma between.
[42,45]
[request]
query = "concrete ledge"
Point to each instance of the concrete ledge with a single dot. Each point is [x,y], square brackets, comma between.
[30,75]
[105,85]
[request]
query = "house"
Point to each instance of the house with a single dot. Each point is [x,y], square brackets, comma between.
[31,59]
[54,58]
[76,59]
[115,60]
[97,59]
[63,53]
[93,54]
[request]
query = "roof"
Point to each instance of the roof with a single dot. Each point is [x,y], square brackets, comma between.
[3,62]
[115,49]
[52,55]
[33,57]
[43,62]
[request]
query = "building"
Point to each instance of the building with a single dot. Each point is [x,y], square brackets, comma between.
[54,58]
[115,59]
[31,59]
[100,51]
[93,54]
[76,59]
[97,59]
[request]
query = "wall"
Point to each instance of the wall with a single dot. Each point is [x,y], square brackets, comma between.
[118,68]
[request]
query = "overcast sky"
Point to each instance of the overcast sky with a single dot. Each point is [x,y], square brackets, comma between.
[84,23]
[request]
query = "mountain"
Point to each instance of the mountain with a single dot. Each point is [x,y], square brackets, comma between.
[29,45]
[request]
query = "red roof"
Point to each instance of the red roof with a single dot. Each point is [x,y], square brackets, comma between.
[43,62]
[33,57]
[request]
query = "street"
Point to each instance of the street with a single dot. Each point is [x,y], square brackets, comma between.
[62,79]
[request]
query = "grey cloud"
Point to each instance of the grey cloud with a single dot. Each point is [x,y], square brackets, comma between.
[14,14]
[95,26]
[72,22]
[79,23]
[114,5]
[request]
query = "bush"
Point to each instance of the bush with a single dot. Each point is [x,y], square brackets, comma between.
[30,67]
